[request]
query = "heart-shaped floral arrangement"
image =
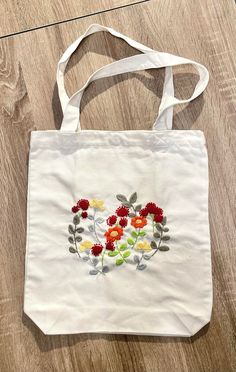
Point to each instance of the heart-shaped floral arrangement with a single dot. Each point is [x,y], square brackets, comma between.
[126,237]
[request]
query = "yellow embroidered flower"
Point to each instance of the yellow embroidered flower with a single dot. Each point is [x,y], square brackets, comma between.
[85,245]
[98,204]
[144,246]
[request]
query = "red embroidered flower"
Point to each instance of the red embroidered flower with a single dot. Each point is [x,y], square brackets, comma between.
[75,209]
[83,204]
[143,212]
[84,214]
[151,207]
[122,211]
[123,222]
[138,222]
[110,246]
[159,211]
[111,220]
[97,249]
[158,218]
[114,233]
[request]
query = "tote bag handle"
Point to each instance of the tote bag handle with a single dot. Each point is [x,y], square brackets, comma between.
[149,59]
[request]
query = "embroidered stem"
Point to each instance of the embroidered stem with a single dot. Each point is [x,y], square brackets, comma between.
[119,252]
[158,245]
[94,227]
[76,247]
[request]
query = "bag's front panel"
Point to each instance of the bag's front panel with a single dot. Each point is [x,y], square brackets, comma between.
[154,280]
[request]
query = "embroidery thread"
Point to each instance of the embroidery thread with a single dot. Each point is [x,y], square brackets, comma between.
[134,234]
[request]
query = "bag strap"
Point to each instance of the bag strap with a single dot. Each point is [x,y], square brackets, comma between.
[149,59]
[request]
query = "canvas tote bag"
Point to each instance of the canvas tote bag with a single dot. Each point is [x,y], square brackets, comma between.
[118,232]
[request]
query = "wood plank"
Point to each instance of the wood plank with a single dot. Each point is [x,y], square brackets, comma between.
[28,98]
[20,16]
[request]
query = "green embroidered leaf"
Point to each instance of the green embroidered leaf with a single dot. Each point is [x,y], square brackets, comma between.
[113,253]
[93,272]
[119,261]
[136,259]
[159,227]
[80,230]
[156,235]
[121,198]
[71,240]
[164,221]
[134,234]
[164,248]
[123,247]
[76,220]
[138,207]
[130,241]
[105,269]
[126,254]
[72,250]
[90,217]
[78,238]
[146,257]
[141,267]
[131,215]
[142,233]
[91,228]
[99,220]
[133,198]
[166,229]
[71,229]
[166,237]
[153,244]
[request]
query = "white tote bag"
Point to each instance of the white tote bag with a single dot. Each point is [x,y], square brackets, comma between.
[118,232]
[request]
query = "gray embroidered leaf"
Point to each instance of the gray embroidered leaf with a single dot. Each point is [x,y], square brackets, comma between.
[71,240]
[164,248]
[141,267]
[121,198]
[159,227]
[71,229]
[78,238]
[119,261]
[153,244]
[90,217]
[99,220]
[113,253]
[87,252]
[138,207]
[94,261]
[132,215]
[93,272]
[156,235]
[146,257]
[123,247]
[166,237]
[142,233]
[126,204]
[91,228]
[80,230]
[126,254]
[134,234]
[105,269]
[136,259]
[133,198]
[72,250]
[85,258]
[164,221]
[166,229]
[76,220]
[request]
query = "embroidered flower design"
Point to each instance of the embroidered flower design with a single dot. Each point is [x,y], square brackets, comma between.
[136,233]
[138,222]
[97,204]
[114,233]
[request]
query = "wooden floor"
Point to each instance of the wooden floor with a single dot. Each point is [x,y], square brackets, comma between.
[200,30]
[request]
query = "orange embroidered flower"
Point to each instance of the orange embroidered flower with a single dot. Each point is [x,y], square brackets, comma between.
[114,233]
[138,222]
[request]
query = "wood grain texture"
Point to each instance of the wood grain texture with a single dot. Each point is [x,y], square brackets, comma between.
[203,31]
[17,16]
